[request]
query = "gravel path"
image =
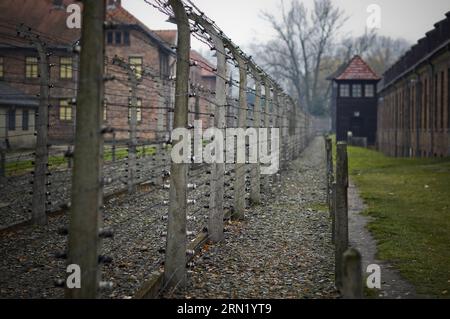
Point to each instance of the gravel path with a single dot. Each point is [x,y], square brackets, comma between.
[281,250]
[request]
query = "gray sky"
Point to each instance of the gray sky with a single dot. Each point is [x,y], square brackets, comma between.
[241,19]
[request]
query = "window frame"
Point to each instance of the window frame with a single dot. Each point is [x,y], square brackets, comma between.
[126,38]
[138,111]
[12,119]
[354,86]
[344,85]
[110,36]
[25,120]
[68,68]
[2,67]
[105,110]
[66,107]
[139,65]
[372,86]
[118,36]
[30,68]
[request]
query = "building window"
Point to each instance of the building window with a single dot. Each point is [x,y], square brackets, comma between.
[31,67]
[66,67]
[25,119]
[136,63]
[1,68]
[356,90]
[369,90]
[109,37]
[164,66]
[104,112]
[344,90]
[118,37]
[11,120]
[138,111]
[58,4]
[126,38]
[65,110]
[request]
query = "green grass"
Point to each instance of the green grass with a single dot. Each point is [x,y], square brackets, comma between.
[410,202]
[319,207]
[20,167]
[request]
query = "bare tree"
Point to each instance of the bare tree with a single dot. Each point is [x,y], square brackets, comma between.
[351,46]
[385,51]
[379,51]
[296,57]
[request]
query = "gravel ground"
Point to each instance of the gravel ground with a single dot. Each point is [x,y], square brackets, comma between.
[281,250]
[15,191]
[28,266]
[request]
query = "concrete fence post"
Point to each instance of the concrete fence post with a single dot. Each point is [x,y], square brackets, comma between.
[280,112]
[284,117]
[329,168]
[85,217]
[175,259]
[39,200]
[333,211]
[2,165]
[255,186]
[276,124]
[113,147]
[69,156]
[352,281]
[132,142]
[240,168]
[216,213]
[341,210]
[267,102]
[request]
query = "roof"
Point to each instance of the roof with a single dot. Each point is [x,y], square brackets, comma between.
[356,69]
[206,66]
[41,16]
[168,36]
[120,15]
[14,97]
[50,20]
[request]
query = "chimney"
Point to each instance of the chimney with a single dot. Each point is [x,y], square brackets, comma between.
[113,4]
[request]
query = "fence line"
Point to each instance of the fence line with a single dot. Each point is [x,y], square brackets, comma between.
[123,144]
[348,271]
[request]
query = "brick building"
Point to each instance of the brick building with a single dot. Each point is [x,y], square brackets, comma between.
[203,84]
[355,100]
[154,62]
[414,107]
[150,53]
[20,66]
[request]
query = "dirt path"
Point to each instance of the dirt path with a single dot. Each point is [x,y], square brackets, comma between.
[393,286]
[282,249]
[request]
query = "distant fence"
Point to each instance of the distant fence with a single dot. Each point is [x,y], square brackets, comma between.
[348,272]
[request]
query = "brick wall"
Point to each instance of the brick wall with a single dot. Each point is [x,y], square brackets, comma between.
[414,112]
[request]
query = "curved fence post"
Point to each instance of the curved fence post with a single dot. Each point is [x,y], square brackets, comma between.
[175,262]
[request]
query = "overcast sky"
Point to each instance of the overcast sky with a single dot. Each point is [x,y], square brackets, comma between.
[241,19]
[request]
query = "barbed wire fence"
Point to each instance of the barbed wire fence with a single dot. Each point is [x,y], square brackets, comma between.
[117,179]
